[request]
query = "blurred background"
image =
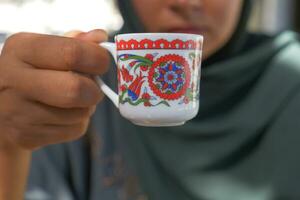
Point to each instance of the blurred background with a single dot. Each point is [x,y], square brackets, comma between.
[58,16]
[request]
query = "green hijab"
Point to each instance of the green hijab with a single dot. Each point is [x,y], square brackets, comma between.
[244,143]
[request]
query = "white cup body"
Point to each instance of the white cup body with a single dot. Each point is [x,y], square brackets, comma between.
[159,77]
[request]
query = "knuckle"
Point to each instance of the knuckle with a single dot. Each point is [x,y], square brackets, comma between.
[71,51]
[81,129]
[85,114]
[14,37]
[12,40]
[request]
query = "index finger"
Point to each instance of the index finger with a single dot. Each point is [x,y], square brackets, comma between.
[59,53]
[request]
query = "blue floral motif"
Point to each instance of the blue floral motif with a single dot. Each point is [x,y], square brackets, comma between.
[170,77]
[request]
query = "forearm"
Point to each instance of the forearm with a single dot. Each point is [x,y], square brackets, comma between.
[14,165]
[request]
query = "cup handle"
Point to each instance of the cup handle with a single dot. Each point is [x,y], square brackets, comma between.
[114,97]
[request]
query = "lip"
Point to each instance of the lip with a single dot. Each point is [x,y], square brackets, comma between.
[192,30]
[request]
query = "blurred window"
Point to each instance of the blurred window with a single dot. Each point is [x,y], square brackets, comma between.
[58,16]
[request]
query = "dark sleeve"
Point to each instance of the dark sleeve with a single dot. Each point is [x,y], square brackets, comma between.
[48,175]
[59,172]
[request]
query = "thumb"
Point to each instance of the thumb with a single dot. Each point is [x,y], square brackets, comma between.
[95,36]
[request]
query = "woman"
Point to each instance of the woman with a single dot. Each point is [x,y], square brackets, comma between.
[242,145]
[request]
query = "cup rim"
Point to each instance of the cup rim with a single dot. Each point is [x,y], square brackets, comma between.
[162,34]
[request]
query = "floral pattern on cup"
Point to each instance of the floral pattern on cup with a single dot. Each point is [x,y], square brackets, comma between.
[167,77]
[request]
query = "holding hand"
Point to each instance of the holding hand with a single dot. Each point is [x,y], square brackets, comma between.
[47,94]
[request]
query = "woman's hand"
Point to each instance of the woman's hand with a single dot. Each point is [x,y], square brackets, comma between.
[47,94]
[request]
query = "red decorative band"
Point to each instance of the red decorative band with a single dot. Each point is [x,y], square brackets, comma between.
[133,44]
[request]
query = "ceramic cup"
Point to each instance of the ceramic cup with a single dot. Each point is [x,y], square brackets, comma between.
[158,77]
